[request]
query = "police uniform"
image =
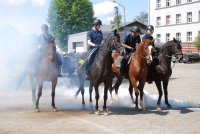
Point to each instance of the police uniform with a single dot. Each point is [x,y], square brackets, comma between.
[131,41]
[95,36]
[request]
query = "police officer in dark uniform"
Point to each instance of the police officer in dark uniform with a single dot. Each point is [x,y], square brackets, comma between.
[42,45]
[130,41]
[94,40]
[148,35]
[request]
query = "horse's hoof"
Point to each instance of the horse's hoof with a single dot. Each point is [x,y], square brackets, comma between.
[169,106]
[91,107]
[136,108]
[37,110]
[55,110]
[83,108]
[105,113]
[97,113]
[159,108]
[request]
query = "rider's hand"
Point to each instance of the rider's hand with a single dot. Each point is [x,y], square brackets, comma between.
[132,49]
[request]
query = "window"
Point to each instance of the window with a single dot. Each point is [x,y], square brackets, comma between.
[189,1]
[167,37]
[167,19]
[178,2]
[167,3]
[178,18]
[189,17]
[158,21]
[158,3]
[178,36]
[189,36]
[158,36]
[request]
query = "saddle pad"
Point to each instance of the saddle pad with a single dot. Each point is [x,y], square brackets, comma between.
[117,62]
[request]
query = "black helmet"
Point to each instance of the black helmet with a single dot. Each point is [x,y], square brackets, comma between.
[150,27]
[97,22]
[44,27]
[136,29]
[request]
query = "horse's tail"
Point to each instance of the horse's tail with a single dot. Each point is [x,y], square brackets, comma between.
[77,93]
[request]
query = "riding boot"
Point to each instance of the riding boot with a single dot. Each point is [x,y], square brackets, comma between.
[123,67]
[149,79]
[90,60]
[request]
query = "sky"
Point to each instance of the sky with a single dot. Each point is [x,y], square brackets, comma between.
[27,16]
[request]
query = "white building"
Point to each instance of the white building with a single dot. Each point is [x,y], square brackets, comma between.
[175,18]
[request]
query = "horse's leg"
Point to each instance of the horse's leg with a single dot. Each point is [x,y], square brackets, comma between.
[134,84]
[33,88]
[54,83]
[39,94]
[108,85]
[141,87]
[165,85]
[131,92]
[90,90]
[159,87]
[81,87]
[97,98]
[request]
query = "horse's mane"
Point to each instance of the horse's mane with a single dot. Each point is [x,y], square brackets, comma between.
[167,44]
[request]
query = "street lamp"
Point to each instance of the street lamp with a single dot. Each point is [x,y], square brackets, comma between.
[124,15]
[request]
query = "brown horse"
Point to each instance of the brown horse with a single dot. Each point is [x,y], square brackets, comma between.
[137,71]
[48,71]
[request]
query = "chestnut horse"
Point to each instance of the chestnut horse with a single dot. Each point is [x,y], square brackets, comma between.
[137,71]
[48,71]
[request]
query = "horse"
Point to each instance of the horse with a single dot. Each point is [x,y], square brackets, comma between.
[101,72]
[137,71]
[48,70]
[162,71]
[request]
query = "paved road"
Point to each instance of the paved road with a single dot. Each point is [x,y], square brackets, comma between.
[17,116]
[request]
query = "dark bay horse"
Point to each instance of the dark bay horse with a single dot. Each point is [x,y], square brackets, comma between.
[137,71]
[100,73]
[48,71]
[162,71]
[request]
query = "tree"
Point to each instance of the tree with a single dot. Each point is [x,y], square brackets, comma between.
[68,17]
[142,17]
[117,19]
[197,42]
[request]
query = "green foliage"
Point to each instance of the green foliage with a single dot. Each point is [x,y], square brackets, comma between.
[68,17]
[142,17]
[117,19]
[197,42]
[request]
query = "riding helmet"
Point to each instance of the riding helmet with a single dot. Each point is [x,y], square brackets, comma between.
[97,22]
[136,29]
[150,27]
[44,27]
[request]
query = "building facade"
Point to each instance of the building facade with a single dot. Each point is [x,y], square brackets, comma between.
[178,19]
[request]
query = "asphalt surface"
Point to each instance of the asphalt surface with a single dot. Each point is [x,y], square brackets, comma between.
[17,111]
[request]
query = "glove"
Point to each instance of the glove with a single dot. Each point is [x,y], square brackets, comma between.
[132,49]
[97,46]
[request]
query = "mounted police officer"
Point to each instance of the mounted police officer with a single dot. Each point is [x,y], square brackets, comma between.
[94,40]
[130,41]
[148,35]
[42,44]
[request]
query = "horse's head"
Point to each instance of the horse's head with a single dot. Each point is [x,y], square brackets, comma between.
[51,48]
[147,50]
[177,49]
[110,43]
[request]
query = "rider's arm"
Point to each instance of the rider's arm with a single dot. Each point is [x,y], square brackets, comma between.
[89,39]
[125,42]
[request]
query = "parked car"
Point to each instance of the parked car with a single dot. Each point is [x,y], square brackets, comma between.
[190,58]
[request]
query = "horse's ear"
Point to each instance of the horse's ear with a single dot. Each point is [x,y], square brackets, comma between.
[175,40]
